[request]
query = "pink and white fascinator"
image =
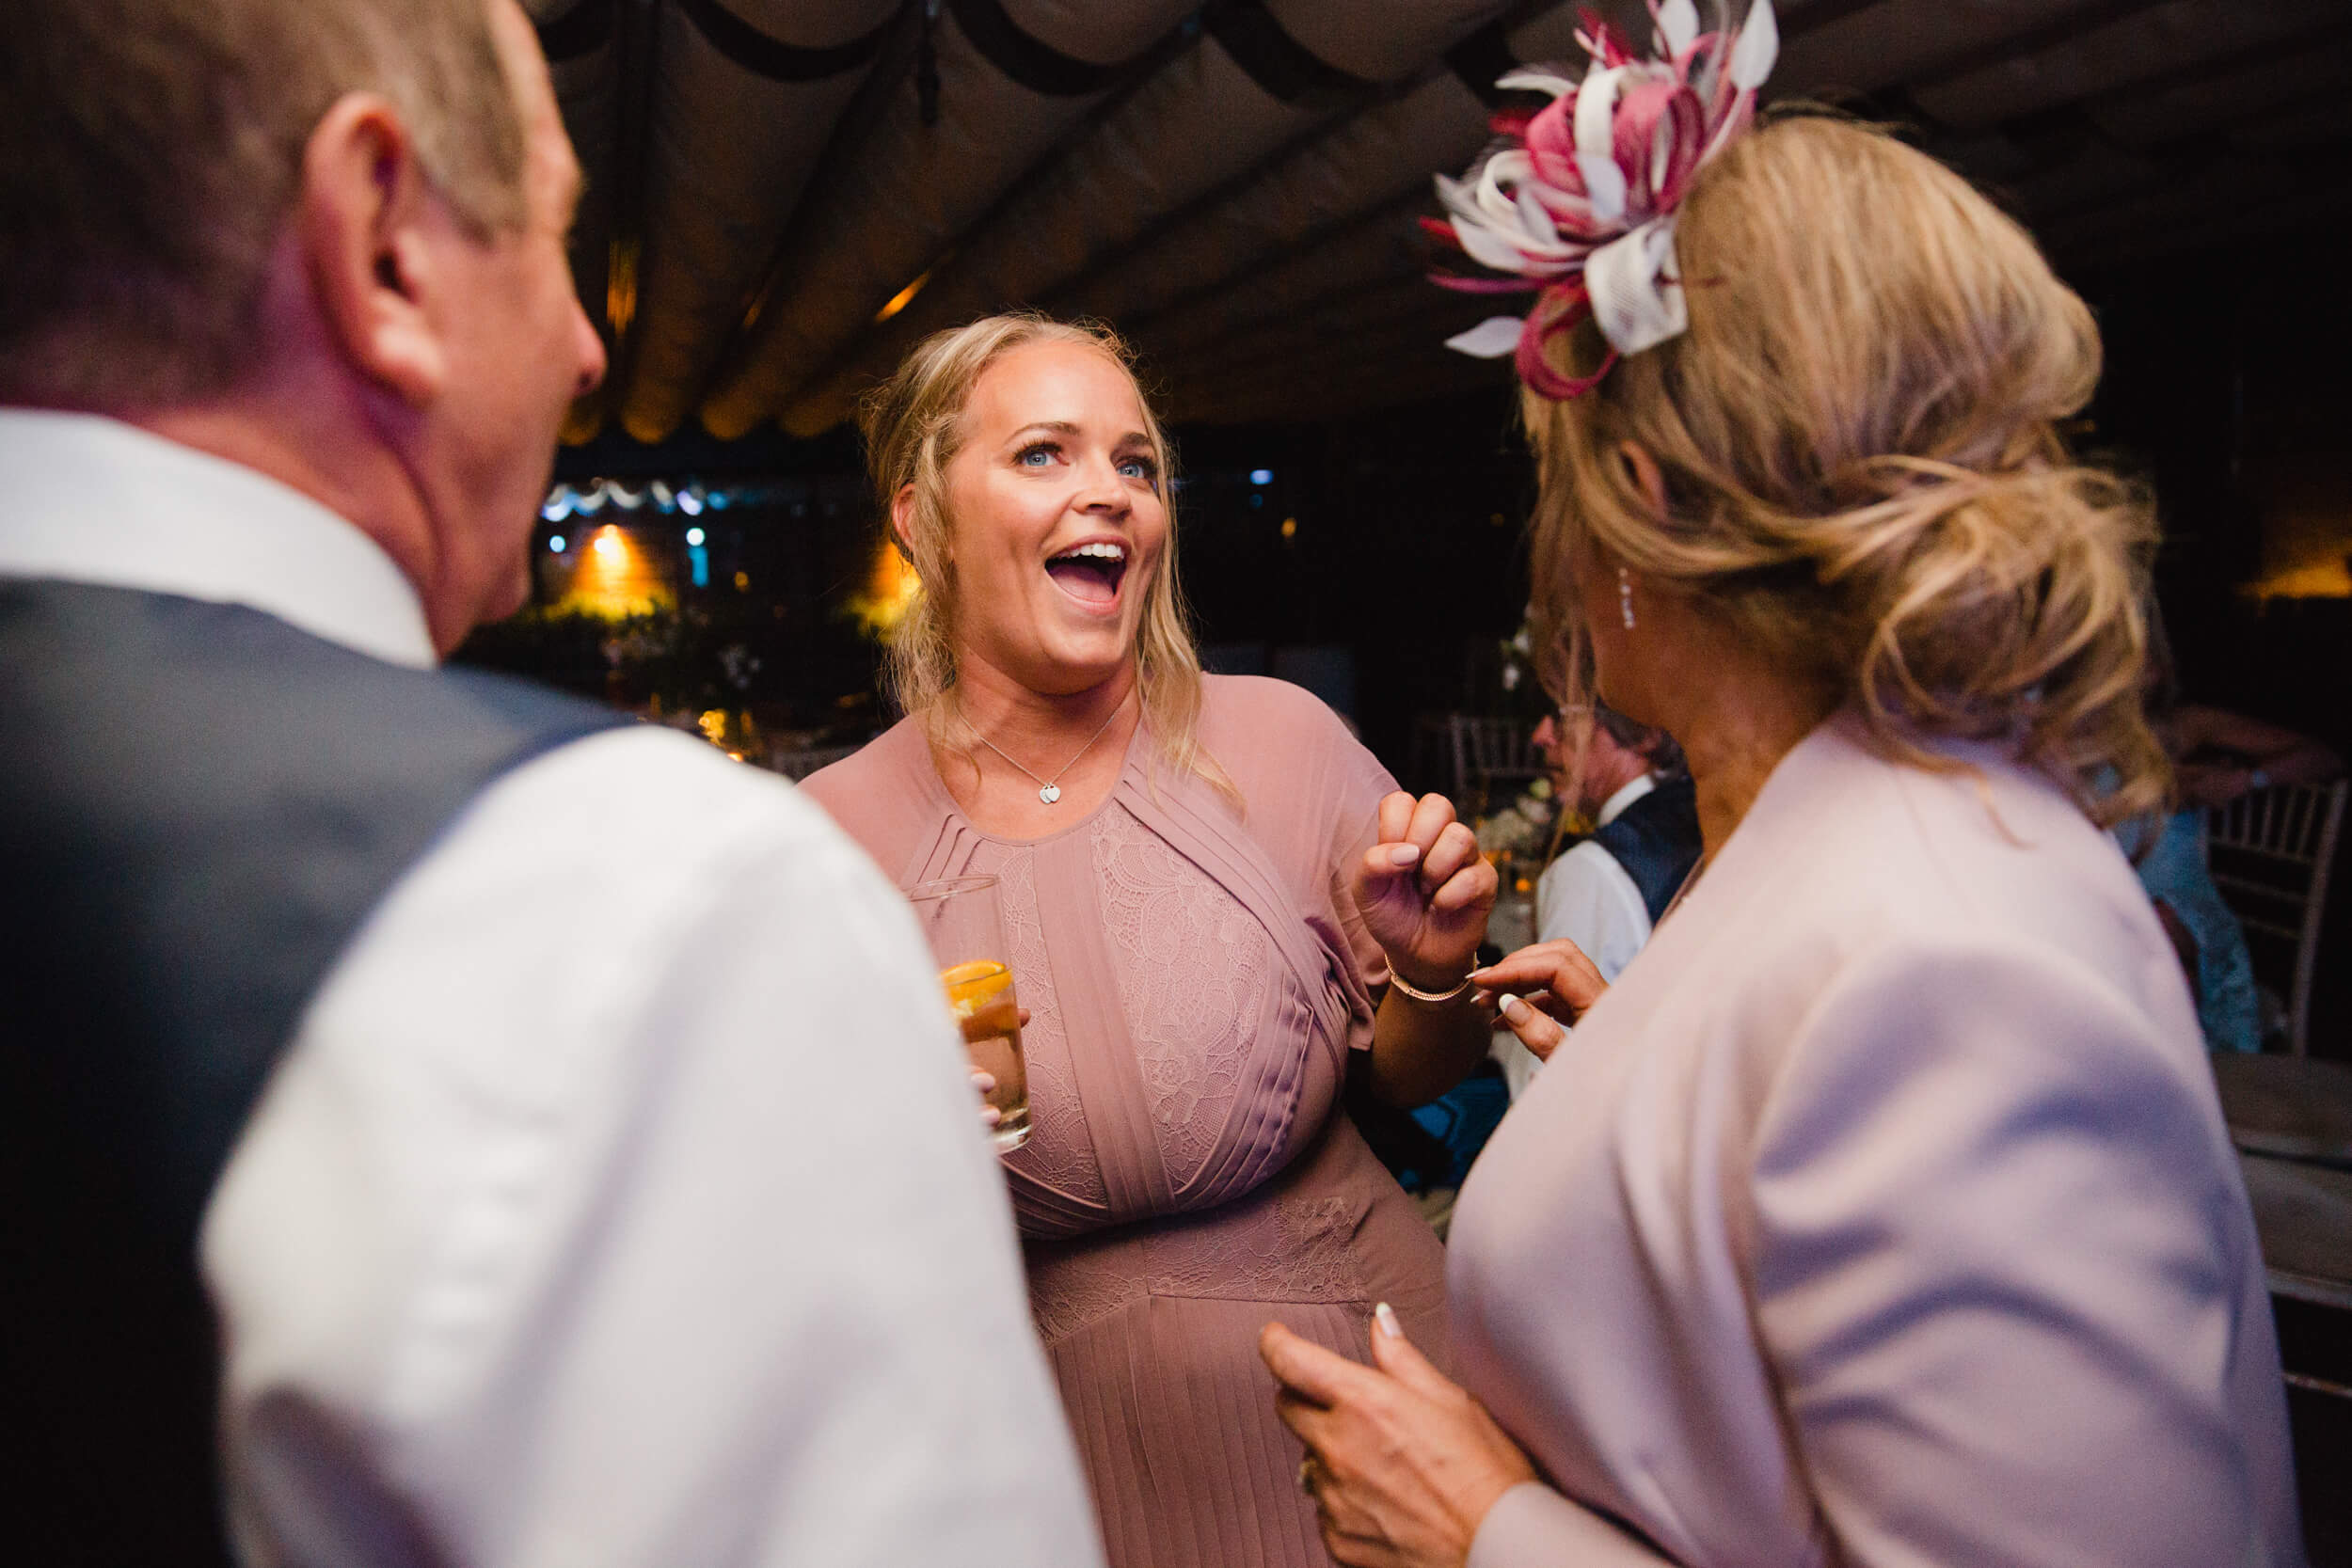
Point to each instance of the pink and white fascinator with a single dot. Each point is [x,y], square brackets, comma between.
[1578,202]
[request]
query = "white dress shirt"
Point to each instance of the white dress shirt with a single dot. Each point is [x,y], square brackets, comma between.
[622,1199]
[1587,897]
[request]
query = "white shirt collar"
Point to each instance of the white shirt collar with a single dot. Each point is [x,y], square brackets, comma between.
[89,500]
[1613,808]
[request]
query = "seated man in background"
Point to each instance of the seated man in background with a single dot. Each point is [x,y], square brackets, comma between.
[441,1122]
[1606,892]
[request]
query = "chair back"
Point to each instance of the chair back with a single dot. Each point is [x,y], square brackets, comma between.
[1487,752]
[2270,851]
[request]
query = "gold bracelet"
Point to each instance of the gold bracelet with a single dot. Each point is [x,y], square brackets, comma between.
[1419,996]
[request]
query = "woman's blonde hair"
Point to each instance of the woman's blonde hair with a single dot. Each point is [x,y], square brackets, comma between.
[1863,467]
[913,426]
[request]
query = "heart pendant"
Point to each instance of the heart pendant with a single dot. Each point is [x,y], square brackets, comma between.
[1050,794]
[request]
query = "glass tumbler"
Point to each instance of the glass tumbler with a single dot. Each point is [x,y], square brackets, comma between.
[963,921]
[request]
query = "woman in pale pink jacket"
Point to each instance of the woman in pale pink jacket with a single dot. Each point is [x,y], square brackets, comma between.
[1881,1212]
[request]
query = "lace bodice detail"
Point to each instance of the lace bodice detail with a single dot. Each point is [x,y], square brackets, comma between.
[1193,973]
[1177,1058]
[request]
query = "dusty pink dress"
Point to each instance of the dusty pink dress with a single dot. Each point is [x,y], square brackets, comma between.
[1197,979]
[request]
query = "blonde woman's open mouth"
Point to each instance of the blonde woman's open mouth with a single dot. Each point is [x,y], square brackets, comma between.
[1090,573]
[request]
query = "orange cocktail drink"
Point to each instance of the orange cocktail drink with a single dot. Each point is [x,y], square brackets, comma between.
[962,922]
[980,994]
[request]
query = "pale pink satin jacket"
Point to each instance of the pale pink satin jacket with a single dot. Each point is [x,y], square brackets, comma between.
[1882,1213]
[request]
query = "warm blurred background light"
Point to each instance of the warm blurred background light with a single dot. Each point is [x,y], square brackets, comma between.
[612,573]
[2305,511]
[890,589]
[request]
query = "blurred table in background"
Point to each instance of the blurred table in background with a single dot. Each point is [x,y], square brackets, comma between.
[2288,1107]
[2291,1119]
[2303,1214]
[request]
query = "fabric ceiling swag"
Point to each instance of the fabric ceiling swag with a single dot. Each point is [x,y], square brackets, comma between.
[1379,157]
[1205,119]
[1277,62]
[2084,60]
[1335,329]
[763,53]
[1862,49]
[1358,360]
[782,194]
[1027,59]
[1383,247]
[744,100]
[879,215]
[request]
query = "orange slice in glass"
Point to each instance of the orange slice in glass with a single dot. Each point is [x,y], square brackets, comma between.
[970,985]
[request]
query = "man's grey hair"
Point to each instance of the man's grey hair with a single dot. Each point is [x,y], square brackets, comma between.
[150,154]
[1646,741]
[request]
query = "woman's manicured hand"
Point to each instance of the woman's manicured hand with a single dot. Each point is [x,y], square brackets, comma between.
[1402,1462]
[1425,891]
[1538,990]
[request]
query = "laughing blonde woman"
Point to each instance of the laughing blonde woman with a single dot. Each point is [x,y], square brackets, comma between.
[1219,908]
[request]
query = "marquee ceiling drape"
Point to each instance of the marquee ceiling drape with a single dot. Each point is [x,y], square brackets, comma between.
[783,195]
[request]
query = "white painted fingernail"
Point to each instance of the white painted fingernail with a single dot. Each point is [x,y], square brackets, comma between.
[990,1116]
[984,1081]
[1385,1316]
[1403,854]
[1513,1008]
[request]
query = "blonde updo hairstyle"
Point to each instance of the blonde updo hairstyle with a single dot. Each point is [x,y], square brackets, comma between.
[914,427]
[1863,469]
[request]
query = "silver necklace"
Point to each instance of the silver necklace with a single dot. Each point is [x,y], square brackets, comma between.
[1049,790]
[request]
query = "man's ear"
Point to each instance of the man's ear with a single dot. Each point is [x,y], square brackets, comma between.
[372,232]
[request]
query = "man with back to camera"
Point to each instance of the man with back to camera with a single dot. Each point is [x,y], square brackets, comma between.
[441,1122]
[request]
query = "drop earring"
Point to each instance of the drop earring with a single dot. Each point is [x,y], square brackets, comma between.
[1625,596]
